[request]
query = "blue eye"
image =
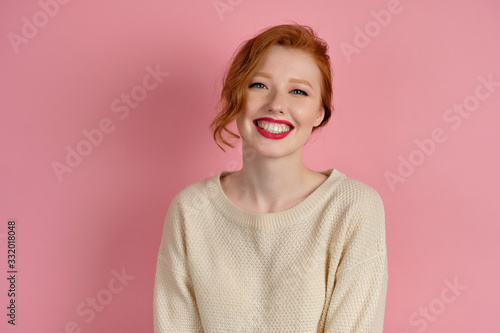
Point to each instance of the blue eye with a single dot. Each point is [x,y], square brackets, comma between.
[257,84]
[299,92]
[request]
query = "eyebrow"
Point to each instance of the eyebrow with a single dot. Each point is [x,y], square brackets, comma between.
[263,74]
[301,81]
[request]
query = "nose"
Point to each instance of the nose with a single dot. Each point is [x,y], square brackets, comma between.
[276,102]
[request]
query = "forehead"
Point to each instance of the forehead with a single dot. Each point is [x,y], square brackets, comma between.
[290,62]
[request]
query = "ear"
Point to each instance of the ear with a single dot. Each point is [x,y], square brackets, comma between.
[321,116]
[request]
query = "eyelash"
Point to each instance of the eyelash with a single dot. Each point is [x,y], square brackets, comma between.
[254,84]
[302,92]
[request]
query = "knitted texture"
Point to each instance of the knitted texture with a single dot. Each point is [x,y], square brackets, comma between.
[320,266]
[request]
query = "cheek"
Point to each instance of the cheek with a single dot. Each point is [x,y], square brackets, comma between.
[253,103]
[306,115]
[244,122]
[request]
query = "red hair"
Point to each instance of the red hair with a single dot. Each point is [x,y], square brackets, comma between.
[247,59]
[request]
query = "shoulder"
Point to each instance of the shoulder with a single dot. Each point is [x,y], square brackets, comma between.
[362,210]
[359,196]
[186,206]
[192,196]
[366,216]
[364,233]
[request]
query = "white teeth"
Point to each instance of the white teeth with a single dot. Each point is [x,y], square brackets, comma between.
[273,128]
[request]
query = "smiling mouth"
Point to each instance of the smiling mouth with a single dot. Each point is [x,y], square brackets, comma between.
[273,127]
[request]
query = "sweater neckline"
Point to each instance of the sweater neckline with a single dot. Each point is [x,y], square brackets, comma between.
[266,221]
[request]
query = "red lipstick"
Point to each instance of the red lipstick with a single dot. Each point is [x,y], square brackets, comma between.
[273,136]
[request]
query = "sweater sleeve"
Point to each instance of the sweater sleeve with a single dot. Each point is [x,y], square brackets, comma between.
[174,302]
[357,302]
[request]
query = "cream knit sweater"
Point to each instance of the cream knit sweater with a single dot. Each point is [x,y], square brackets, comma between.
[320,266]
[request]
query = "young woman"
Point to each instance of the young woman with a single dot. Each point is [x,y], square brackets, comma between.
[275,246]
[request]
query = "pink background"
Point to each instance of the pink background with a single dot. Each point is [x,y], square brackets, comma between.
[399,85]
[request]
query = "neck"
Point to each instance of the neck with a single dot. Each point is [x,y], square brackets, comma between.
[272,184]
